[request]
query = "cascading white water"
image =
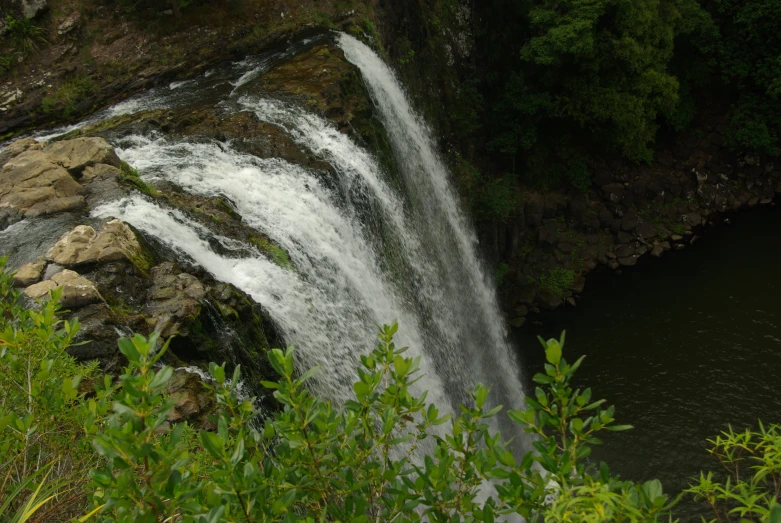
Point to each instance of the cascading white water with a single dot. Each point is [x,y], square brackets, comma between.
[363,252]
[467,313]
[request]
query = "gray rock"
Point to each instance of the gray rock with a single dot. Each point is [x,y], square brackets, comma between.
[657,251]
[613,191]
[628,261]
[629,222]
[676,237]
[69,24]
[83,245]
[79,153]
[77,291]
[694,219]
[624,237]
[175,296]
[548,300]
[646,230]
[665,246]
[625,251]
[32,178]
[28,274]
[606,217]
[32,8]
[613,265]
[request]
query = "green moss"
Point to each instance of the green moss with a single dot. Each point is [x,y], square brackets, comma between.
[558,280]
[130,176]
[277,254]
[68,96]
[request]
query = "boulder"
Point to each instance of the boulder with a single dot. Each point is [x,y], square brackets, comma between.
[69,24]
[32,8]
[100,171]
[28,274]
[40,290]
[578,284]
[625,251]
[518,322]
[629,222]
[628,261]
[77,291]
[31,179]
[613,191]
[657,251]
[84,245]
[18,147]
[549,300]
[193,401]
[605,217]
[624,237]
[80,153]
[646,230]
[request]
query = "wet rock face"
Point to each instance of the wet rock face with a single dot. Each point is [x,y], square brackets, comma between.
[174,298]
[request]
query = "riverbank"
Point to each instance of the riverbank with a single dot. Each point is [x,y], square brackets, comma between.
[631,212]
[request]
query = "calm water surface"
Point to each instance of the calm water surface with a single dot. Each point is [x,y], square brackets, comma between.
[682,347]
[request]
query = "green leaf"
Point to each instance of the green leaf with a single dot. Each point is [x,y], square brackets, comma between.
[616,428]
[553,352]
[212,443]
[161,377]
[126,347]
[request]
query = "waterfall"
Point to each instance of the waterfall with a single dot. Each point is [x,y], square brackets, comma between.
[363,250]
[466,313]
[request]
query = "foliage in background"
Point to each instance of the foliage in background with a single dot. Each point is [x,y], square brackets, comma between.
[26,36]
[558,280]
[749,58]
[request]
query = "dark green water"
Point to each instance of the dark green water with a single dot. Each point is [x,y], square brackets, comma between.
[682,347]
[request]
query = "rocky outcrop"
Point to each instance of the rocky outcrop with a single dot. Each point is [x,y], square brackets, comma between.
[33,184]
[174,298]
[29,273]
[83,245]
[633,212]
[77,291]
[77,154]
[37,179]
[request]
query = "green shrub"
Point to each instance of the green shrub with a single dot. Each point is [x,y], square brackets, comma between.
[39,399]
[67,97]
[25,34]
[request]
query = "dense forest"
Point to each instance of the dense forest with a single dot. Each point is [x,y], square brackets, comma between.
[559,83]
